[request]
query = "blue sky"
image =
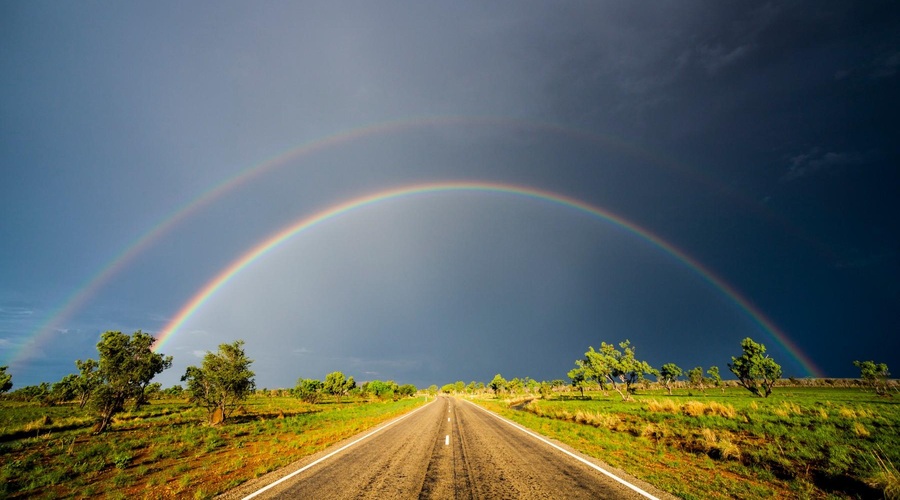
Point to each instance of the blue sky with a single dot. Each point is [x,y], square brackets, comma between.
[759,139]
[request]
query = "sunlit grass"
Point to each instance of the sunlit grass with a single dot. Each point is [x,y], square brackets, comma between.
[800,442]
[168,447]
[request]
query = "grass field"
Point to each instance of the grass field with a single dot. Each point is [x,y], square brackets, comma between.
[166,450]
[798,443]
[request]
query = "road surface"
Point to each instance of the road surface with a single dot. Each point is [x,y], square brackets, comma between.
[447,449]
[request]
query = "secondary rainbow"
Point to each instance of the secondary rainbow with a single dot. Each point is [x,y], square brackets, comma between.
[262,248]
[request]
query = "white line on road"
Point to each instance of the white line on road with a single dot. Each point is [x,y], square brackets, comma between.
[567,452]
[447,440]
[333,453]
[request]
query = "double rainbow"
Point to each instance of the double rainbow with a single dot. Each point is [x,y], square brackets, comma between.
[261,249]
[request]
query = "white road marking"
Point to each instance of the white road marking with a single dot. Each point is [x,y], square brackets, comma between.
[447,440]
[567,452]
[448,419]
[333,453]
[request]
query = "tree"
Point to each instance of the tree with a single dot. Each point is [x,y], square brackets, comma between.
[498,384]
[338,385]
[62,391]
[407,390]
[669,373]
[309,390]
[695,376]
[5,380]
[874,374]
[579,375]
[613,365]
[87,381]
[755,370]
[383,390]
[176,391]
[223,380]
[126,366]
[715,377]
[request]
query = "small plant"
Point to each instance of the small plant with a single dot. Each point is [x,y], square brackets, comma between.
[122,460]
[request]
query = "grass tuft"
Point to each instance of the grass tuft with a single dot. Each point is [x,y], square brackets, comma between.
[886,479]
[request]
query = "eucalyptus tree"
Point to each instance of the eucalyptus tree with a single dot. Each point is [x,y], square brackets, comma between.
[5,380]
[669,373]
[620,368]
[222,381]
[755,370]
[126,366]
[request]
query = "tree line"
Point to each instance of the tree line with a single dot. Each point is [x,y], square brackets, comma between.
[619,368]
[126,365]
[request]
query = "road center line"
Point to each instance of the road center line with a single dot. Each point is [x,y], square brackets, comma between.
[447,440]
[567,452]
[335,452]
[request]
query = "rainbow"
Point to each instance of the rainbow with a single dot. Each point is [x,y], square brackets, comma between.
[333,212]
[89,288]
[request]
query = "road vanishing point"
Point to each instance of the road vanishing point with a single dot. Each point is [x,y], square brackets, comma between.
[449,448]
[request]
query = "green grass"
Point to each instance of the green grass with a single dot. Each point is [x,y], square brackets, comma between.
[167,446]
[799,442]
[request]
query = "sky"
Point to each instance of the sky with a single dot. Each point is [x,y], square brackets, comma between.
[679,174]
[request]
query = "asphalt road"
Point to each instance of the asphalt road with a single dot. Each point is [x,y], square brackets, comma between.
[447,449]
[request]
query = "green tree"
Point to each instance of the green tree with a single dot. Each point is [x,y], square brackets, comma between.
[62,391]
[579,375]
[546,390]
[176,391]
[407,390]
[126,366]
[383,390]
[617,367]
[433,389]
[88,380]
[669,373]
[755,370]
[5,380]
[498,385]
[222,381]
[338,385]
[309,390]
[874,374]
[695,376]
[715,377]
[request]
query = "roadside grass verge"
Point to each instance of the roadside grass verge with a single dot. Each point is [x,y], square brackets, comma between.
[166,450]
[798,443]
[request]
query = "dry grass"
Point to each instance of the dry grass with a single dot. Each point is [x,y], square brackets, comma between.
[887,479]
[664,406]
[692,408]
[718,445]
[847,413]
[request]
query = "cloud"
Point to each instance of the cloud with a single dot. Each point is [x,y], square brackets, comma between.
[16,311]
[301,350]
[718,57]
[198,353]
[815,160]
